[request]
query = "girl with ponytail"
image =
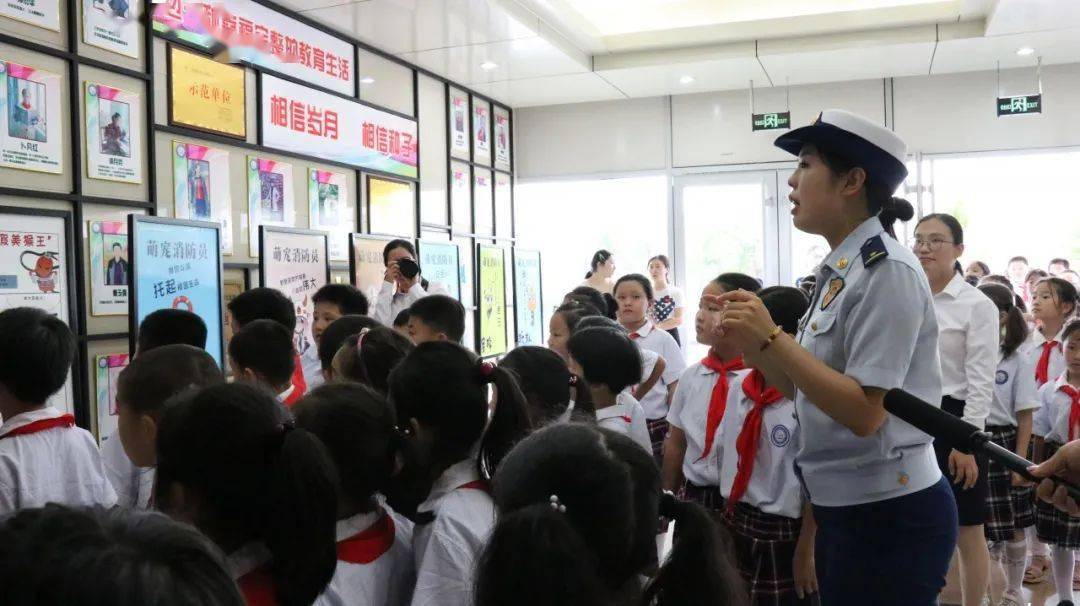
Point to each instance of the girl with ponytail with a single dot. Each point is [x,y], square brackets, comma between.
[1010,507]
[230,463]
[553,392]
[578,510]
[451,451]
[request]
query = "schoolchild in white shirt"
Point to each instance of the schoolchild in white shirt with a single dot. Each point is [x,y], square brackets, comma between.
[1010,508]
[698,406]
[1057,421]
[44,457]
[772,526]
[331,302]
[261,353]
[374,543]
[653,366]
[634,296]
[553,392]
[610,363]
[451,450]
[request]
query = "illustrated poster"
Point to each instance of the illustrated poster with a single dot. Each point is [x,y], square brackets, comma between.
[492,302]
[440,264]
[528,306]
[296,265]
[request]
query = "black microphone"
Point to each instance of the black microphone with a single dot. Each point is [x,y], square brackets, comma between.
[961,435]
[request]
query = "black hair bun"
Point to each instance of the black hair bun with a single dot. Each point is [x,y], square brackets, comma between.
[900,209]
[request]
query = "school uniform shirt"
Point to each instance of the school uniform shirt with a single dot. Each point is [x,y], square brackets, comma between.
[1036,348]
[45,458]
[773,488]
[689,412]
[1014,389]
[250,568]
[132,484]
[626,417]
[390,303]
[312,368]
[375,561]
[968,345]
[1055,414]
[648,363]
[447,548]
[873,320]
[649,338]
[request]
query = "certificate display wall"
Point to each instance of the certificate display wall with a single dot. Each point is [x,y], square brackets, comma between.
[30,118]
[177,264]
[294,262]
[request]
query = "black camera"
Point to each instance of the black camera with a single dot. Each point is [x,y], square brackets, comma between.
[408,268]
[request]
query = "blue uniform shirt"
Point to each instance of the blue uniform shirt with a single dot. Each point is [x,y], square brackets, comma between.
[873,320]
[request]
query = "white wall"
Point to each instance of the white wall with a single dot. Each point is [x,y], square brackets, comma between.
[934,114]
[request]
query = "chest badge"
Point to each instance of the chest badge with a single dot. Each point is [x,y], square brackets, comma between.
[835,286]
[842,263]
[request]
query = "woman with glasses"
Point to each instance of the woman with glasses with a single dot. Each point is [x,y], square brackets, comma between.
[886,518]
[968,336]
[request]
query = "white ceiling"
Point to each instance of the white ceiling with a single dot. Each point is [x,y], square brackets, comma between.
[569,51]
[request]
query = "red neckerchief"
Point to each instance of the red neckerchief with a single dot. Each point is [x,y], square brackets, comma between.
[1042,370]
[481,485]
[298,381]
[718,400]
[747,443]
[1074,409]
[369,545]
[257,587]
[42,425]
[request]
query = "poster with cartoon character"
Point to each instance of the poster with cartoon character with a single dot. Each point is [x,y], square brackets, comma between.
[201,187]
[30,118]
[492,303]
[107,372]
[294,261]
[34,272]
[113,134]
[528,303]
[110,267]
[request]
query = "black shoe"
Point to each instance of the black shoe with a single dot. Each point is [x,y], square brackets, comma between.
[1064,603]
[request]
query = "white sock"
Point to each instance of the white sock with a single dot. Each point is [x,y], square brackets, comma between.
[1062,563]
[1035,546]
[1015,561]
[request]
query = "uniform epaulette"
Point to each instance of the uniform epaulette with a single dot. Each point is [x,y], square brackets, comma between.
[873,251]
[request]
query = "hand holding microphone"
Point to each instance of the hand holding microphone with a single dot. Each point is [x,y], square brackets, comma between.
[1064,464]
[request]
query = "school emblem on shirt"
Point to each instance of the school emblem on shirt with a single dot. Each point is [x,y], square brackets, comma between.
[780,436]
[1001,378]
[835,286]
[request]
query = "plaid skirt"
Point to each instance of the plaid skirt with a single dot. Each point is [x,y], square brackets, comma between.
[658,429]
[707,496]
[765,551]
[1053,526]
[1008,508]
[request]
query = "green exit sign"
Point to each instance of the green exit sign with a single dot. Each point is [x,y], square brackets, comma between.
[771,121]
[1015,106]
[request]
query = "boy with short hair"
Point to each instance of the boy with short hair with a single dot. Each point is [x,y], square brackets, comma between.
[143,389]
[268,304]
[436,318]
[169,327]
[262,353]
[401,323]
[332,301]
[44,457]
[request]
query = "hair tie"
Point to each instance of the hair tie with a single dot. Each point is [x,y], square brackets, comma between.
[360,338]
[555,504]
[669,505]
[573,380]
[487,369]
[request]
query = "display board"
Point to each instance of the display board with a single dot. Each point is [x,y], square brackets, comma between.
[460,195]
[176,263]
[502,138]
[528,298]
[247,31]
[37,270]
[107,369]
[329,209]
[299,119]
[391,207]
[30,118]
[42,13]
[113,134]
[491,300]
[110,269]
[440,264]
[366,267]
[207,95]
[270,197]
[481,130]
[483,202]
[504,206]
[201,187]
[295,262]
[112,25]
[458,121]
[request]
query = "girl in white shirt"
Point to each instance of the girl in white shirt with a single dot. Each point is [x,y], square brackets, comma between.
[544,378]
[699,403]
[610,363]
[374,544]
[1057,421]
[1054,301]
[666,310]
[634,295]
[1010,507]
[772,526]
[451,451]
[968,337]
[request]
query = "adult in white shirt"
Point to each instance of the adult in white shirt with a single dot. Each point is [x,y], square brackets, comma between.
[399,291]
[666,310]
[602,273]
[968,336]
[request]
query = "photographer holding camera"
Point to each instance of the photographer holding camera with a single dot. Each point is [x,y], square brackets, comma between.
[402,282]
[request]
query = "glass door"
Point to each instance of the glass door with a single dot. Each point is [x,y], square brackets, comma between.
[723,222]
